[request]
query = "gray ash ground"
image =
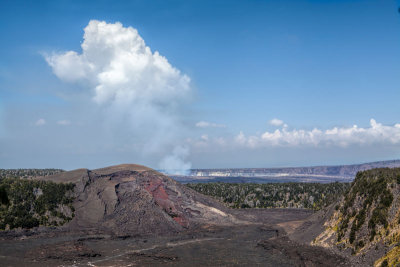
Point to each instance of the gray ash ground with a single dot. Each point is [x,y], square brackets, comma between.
[253,244]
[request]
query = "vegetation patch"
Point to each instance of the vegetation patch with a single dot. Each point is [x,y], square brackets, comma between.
[367,218]
[368,201]
[392,258]
[274,195]
[27,173]
[29,203]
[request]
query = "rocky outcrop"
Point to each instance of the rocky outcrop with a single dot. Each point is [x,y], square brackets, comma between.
[366,222]
[136,200]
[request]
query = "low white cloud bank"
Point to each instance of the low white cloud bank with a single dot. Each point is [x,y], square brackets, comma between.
[206,124]
[139,91]
[377,133]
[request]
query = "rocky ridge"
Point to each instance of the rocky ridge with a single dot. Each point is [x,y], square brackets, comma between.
[365,224]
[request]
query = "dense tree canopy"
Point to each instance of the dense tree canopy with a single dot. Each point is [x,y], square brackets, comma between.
[274,195]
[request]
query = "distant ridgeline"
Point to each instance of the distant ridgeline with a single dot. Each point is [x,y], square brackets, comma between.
[367,219]
[29,203]
[313,174]
[274,195]
[339,170]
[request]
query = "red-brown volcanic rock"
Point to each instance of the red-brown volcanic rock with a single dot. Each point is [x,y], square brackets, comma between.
[133,199]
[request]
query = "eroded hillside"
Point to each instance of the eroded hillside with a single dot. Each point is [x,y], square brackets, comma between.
[366,222]
[130,199]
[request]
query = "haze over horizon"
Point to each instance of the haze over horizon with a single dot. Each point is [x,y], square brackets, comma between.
[198,84]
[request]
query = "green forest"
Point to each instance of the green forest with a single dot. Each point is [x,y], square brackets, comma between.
[27,173]
[29,203]
[274,195]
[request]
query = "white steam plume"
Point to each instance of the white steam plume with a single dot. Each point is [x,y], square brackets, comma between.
[140,92]
[174,164]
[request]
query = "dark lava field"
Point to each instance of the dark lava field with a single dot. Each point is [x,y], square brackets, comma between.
[252,244]
[130,215]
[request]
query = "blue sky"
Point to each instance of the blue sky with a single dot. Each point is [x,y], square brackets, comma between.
[310,64]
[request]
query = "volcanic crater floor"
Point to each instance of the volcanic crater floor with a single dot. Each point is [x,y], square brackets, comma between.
[261,242]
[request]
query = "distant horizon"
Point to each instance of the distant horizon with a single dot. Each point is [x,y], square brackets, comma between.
[221,168]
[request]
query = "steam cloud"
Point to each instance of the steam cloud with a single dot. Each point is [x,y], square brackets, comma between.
[138,90]
[174,164]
